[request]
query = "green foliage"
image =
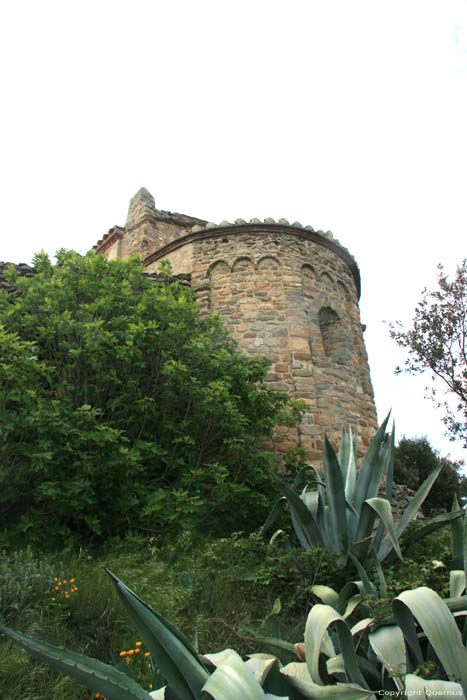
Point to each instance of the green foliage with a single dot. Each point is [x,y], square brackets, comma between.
[223,592]
[414,459]
[121,409]
[436,343]
[224,676]
[343,654]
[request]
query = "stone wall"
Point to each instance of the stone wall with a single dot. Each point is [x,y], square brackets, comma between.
[284,291]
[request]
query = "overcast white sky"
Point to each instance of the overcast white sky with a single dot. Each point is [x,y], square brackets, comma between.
[346,115]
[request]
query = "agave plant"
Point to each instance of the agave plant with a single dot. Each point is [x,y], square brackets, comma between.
[387,657]
[459,538]
[336,660]
[186,674]
[340,512]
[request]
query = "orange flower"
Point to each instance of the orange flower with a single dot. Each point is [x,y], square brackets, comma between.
[138,644]
[137,651]
[146,653]
[131,651]
[123,653]
[72,580]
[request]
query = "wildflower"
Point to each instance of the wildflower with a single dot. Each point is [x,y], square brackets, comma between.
[150,686]
[131,651]
[137,651]
[146,653]
[67,596]
[72,580]
[127,659]
[52,599]
[123,653]
[138,644]
[55,579]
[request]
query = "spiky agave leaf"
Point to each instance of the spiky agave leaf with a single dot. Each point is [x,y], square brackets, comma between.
[335,497]
[299,676]
[372,468]
[380,507]
[415,686]
[457,537]
[456,583]
[439,627]
[410,512]
[388,644]
[306,528]
[172,652]
[232,680]
[94,674]
[320,618]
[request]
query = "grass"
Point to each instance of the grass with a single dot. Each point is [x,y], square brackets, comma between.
[213,590]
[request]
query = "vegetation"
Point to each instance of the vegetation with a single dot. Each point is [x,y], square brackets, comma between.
[130,441]
[227,593]
[243,592]
[121,409]
[437,343]
[340,513]
[414,459]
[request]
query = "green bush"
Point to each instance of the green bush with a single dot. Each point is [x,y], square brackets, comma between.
[121,409]
[414,459]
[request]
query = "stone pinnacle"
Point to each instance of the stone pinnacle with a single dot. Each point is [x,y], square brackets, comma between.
[141,206]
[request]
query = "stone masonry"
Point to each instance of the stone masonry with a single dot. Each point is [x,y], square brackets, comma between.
[284,291]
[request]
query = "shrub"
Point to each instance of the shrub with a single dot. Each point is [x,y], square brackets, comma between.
[414,459]
[121,409]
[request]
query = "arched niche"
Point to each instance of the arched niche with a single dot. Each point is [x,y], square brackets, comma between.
[218,269]
[308,276]
[243,265]
[326,279]
[334,336]
[219,284]
[267,263]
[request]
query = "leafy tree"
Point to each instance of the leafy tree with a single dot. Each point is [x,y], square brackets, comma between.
[437,342]
[414,459]
[121,409]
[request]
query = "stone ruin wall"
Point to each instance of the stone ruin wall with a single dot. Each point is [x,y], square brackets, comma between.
[285,292]
[296,302]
